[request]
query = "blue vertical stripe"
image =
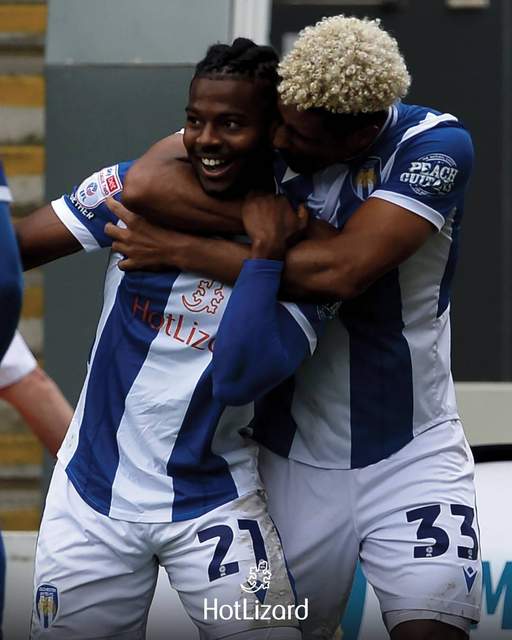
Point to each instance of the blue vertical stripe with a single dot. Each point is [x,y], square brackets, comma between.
[445,289]
[381,387]
[121,352]
[201,479]
[2,581]
[273,424]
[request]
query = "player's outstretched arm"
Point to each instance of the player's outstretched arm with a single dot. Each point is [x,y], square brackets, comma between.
[42,237]
[162,187]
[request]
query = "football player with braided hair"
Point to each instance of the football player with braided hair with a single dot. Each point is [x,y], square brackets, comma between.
[156,467]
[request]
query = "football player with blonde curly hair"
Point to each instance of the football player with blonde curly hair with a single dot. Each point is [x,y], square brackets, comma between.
[363,454]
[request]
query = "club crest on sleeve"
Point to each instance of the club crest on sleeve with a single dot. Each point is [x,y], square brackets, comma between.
[433,174]
[47,604]
[98,187]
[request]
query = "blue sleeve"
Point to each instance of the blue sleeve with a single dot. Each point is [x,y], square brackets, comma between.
[260,341]
[2,579]
[429,173]
[84,212]
[10,279]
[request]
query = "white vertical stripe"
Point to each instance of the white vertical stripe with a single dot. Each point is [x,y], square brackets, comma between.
[154,412]
[321,404]
[420,280]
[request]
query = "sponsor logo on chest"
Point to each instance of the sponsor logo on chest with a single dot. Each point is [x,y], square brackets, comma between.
[195,332]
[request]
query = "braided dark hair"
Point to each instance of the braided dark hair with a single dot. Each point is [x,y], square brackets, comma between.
[245,60]
[242,58]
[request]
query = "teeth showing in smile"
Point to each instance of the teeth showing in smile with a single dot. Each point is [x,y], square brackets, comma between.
[210,162]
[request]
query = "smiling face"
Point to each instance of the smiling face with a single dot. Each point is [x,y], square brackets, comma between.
[227,135]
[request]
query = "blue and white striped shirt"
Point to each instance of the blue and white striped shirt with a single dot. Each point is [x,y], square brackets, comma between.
[153,438]
[381,373]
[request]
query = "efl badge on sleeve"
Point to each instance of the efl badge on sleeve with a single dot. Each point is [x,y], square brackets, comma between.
[47,604]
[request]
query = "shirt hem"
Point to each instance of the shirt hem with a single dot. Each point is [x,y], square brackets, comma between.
[411,204]
[154,518]
[331,465]
[454,607]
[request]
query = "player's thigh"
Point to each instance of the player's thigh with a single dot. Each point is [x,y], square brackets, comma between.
[93,578]
[420,533]
[445,627]
[229,570]
[312,511]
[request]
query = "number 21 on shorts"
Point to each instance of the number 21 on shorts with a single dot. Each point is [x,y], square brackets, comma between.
[225,534]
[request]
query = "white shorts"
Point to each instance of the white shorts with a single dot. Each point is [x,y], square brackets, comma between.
[17,362]
[410,520]
[95,576]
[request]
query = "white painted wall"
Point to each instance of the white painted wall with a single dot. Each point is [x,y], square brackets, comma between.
[251,19]
[486,411]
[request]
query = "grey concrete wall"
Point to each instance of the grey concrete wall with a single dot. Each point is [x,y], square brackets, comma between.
[130,32]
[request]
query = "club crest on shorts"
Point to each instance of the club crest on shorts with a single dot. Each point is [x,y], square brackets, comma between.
[47,604]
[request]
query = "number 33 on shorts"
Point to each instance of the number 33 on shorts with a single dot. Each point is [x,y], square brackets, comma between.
[448,529]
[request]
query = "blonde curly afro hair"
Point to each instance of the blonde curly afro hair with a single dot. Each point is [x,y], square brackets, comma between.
[344,65]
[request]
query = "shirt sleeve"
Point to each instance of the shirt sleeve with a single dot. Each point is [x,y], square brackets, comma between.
[17,362]
[261,341]
[429,173]
[84,212]
[10,271]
